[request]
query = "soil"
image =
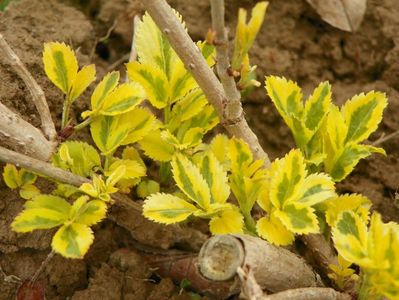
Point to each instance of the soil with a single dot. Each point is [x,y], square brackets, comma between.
[293,42]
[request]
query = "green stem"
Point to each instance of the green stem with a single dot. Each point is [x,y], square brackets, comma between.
[166,114]
[107,161]
[364,290]
[65,112]
[83,124]
[249,222]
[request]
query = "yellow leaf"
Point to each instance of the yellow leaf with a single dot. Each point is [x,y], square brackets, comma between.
[362,114]
[88,212]
[229,221]
[73,240]
[353,202]
[102,90]
[28,191]
[153,80]
[298,219]
[133,168]
[60,65]
[287,178]
[274,231]
[246,33]
[155,147]
[287,97]
[153,47]
[167,209]
[11,176]
[215,177]
[82,80]
[317,188]
[122,99]
[190,181]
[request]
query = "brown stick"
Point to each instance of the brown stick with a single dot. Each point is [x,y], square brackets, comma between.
[275,269]
[20,135]
[308,294]
[188,52]
[35,90]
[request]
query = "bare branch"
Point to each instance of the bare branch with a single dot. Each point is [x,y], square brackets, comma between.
[233,107]
[308,294]
[20,135]
[35,90]
[189,53]
[275,269]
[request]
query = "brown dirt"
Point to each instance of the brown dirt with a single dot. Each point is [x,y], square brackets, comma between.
[293,42]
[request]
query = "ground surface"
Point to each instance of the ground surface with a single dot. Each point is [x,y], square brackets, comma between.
[293,42]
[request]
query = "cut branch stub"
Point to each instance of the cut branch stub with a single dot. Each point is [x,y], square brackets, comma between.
[275,269]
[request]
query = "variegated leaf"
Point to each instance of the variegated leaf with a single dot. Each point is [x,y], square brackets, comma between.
[155,147]
[216,178]
[190,181]
[167,209]
[122,99]
[60,65]
[317,106]
[82,80]
[153,80]
[362,114]
[298,219]
[73,240]
[287,178]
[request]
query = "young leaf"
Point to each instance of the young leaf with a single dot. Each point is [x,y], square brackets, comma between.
[155,146]
[167,209]
[362,114]
[317,106]
[73,240]
[50,202]
[78,157]
[38,218]
[11,176]
[287,97]
[286,183]
[189,179]
[133,169]
[88,212]
[153,81]
[246,32]
[228,221]
[346,159]
[215,177]
[102,90]
[274,231]
[122,99]
[60,65]
[350,237]
[110,132]
[153,47]
[82,80]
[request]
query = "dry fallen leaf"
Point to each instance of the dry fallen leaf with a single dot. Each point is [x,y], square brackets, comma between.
[343,14]
[31,291]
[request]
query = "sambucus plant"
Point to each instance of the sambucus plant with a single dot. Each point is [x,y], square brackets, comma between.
[220,181]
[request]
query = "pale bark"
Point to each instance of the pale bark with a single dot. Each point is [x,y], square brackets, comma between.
[275,269]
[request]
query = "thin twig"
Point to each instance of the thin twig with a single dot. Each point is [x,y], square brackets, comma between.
[233,108]
[35,90]
[383,138]
[42,266]
[133,53]
[166,20]
[308,294]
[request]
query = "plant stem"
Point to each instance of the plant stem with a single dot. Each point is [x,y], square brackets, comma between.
[65,112]
[107,161]
[364,290]
[170,25]
[250,222]
[83,124]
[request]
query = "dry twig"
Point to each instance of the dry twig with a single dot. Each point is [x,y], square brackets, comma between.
[36,91]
